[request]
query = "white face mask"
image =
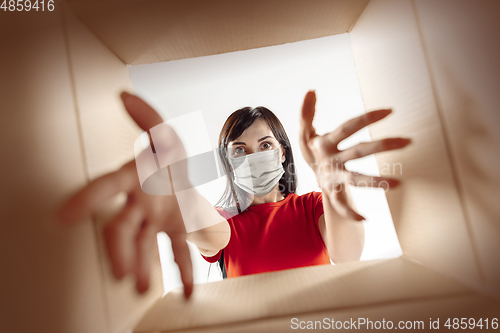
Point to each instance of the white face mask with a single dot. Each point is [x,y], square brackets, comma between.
[257,173]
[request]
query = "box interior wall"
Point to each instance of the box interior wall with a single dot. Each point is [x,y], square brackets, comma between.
[433,62]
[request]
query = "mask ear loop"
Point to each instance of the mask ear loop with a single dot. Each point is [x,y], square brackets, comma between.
[236,198]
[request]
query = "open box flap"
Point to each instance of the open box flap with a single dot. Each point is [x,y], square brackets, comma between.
[50,275]
[429,209]
[414,313]
[44,163]
[108,134]
[466,80]
[143,32]
[295,291]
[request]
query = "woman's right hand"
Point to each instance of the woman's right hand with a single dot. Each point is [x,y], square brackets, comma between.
[130,236]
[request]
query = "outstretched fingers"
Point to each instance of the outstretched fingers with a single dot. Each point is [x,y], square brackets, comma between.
[352,126]
[357,179]
[307,131]
[182,257]
[308,110]
[143,114]
[339,203]
[144,245]
[91,197]
[119,238]
[367,148]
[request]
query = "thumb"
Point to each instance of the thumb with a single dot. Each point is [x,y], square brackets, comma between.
[308,110]
[307,131]
[143,114]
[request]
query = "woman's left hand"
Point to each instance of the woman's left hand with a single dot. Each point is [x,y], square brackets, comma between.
[328,162]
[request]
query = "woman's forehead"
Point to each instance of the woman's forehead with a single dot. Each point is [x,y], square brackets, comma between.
[254,132]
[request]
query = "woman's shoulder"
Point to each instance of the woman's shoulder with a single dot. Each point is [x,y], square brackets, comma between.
[310,199]
[310,195]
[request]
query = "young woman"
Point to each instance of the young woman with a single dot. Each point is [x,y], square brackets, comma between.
[260,224]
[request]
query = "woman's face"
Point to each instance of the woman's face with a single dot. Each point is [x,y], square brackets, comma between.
[256,138]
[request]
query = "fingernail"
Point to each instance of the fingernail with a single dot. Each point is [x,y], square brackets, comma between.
[378,114]
[59,217]
[124,95]
[118,273]
[393,182]
[142,287]
[63,218]
[402,142]
[188,292]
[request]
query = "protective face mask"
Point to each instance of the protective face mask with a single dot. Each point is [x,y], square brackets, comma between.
[257,173]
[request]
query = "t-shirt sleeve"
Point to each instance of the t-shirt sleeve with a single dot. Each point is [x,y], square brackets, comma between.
[216,257]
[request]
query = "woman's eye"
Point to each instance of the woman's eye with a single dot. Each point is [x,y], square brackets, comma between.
[266,145]
[238,151]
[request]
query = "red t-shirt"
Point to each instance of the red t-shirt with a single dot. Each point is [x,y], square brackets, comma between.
[275,236]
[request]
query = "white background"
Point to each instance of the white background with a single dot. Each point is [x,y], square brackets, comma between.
[278,78]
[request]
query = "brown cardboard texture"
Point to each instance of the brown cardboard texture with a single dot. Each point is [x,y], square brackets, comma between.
[433,62]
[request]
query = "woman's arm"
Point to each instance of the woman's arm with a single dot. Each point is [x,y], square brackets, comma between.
[213,238]
[341,226]
[344,237]
[130,235]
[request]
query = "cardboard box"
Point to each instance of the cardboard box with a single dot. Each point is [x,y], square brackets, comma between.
[62,124]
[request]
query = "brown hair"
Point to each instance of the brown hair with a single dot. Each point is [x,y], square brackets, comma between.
[233,197]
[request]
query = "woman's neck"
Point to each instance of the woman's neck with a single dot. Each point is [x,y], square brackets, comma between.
[274,196]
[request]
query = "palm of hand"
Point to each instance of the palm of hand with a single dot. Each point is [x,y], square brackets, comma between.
[130,236]
[328,162]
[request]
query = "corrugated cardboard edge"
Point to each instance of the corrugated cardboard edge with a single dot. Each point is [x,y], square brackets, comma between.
[141,34]
[108,135]
[298,291]
[427,210]
[465,77]
[50,275]
[408,312]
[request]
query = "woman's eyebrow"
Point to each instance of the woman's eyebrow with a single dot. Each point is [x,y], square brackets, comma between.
[265,137]
[242,143]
